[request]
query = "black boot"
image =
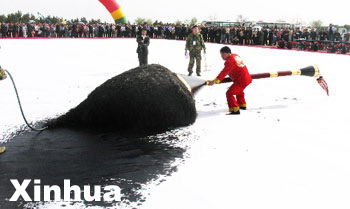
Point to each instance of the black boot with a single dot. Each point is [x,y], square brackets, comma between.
[243,106]
[235,113]
[189,74]
[199,74]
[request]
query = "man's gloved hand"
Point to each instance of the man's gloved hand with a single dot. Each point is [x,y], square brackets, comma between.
[210,83]
[2,74]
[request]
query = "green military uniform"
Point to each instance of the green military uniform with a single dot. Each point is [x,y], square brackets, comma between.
[195,44]
[2,74]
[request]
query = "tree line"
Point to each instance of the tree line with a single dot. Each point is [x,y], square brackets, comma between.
[19,17]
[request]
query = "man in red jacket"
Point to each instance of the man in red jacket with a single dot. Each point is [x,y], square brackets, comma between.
[238,72]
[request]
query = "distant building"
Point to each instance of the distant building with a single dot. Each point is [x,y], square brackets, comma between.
[215,23]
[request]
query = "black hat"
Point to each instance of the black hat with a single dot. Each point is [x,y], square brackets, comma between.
[144,29]
[194,26]
[225,49]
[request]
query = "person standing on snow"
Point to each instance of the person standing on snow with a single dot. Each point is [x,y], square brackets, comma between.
[238,72]
[195,44]
[142,49]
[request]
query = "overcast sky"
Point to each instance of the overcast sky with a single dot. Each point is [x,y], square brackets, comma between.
[336,12]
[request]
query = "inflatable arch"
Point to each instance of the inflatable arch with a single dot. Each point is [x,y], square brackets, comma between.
[117,13]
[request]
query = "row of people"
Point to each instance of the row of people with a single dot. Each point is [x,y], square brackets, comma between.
[238,35]
[232,34]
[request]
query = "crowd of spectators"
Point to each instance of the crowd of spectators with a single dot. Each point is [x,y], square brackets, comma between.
[329,39]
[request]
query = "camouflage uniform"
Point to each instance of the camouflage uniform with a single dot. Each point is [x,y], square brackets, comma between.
[2,74]
[195,44]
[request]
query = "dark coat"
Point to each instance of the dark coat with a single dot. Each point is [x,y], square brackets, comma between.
[143,44]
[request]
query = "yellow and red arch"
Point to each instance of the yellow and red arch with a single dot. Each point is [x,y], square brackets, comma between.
[117,13]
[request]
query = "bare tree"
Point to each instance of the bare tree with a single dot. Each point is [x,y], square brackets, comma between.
[316,24]
[241,19]
[212,17]
[298,22]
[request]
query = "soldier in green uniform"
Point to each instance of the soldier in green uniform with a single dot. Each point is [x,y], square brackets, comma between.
[195,44]
[2,74]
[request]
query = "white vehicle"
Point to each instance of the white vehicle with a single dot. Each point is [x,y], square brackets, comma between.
[214,23]
[277,24]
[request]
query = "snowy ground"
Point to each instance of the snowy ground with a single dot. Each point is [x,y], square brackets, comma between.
[289,150]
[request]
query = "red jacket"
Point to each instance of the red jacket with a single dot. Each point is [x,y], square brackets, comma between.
[237,70]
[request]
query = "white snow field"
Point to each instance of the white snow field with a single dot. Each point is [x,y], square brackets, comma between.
[290,149]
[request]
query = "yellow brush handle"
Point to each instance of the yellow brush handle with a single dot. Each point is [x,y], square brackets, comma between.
[2,150]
